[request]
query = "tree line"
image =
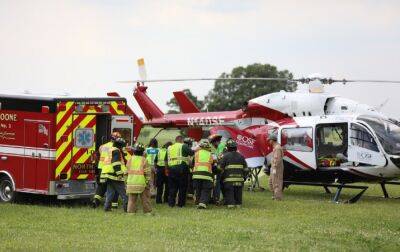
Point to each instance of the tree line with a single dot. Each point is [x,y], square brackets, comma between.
[232,94]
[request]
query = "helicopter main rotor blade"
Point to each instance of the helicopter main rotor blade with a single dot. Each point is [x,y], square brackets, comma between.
[207,79]
[369,81]
[301,80]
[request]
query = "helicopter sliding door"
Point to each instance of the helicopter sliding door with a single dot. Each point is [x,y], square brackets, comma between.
[363,149]
[299,147]
[331,144]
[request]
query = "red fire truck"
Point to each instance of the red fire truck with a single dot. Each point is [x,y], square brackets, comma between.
[48,144]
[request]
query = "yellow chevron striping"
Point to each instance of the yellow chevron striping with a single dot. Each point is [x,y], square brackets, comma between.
[85,155]
[83,176]
[115,106]
[67,158]
[60,115]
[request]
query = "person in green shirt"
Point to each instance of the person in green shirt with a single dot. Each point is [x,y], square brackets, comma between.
[217,149]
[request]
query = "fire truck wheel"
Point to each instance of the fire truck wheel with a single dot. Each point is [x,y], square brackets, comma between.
[7,193]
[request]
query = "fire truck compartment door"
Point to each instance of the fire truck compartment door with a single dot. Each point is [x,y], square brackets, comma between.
[124,125]
[37,155]
[363,148]
[84,146]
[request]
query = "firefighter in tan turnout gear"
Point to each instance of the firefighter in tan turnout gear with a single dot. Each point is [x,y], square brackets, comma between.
[138,182]
[203,174]
[276,176]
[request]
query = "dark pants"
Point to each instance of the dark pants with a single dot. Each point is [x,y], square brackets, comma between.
[190,189]
[202,188]
[101,190]
[177,183]
[162,185]
[217,188]
[114,186]
[233,194]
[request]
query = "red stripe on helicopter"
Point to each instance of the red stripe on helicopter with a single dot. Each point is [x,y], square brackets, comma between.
[295,159]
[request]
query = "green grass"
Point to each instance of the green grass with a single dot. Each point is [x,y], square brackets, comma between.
[305,220]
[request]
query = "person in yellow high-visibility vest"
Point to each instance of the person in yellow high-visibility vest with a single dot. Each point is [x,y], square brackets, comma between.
[113,173]
[138,181]
[161,175]
[101,185]
[178,171]
[203,174]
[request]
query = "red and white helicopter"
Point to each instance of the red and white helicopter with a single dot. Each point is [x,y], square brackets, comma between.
[328,140]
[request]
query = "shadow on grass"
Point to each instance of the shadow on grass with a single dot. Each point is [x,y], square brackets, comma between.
[50,201]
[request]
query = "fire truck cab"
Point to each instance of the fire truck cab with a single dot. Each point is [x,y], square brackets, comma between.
[48,145]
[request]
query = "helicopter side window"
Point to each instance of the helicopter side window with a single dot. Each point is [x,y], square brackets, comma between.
[297,139]
[362,138]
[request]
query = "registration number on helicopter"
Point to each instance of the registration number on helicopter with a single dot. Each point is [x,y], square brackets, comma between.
[206,121]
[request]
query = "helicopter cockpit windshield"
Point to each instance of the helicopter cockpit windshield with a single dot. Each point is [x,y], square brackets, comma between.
[388,133]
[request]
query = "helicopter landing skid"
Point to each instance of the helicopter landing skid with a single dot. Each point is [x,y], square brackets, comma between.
[383,186]
[339,187]
[253,178]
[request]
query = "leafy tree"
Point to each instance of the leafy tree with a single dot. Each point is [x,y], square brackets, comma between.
[175,107]
[232,94]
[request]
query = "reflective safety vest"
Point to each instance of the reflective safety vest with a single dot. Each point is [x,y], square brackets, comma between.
[233,173]
[110,170]
[203,161]
[126,154]
[175,155]
[136,182]
[151,154]
[104,150]
[161,157]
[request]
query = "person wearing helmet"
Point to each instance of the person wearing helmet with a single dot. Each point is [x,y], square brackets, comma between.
[151,153]
[161,175]
[233,166]
[217,149]
[113,173]
[276,176]
[203,174]
[177,161]
[101,186]
[138,181]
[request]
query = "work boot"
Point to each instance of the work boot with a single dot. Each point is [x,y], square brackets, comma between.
[95,203]
[201,206]
[231,206]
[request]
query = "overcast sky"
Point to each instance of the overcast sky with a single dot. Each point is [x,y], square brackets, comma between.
[84,47]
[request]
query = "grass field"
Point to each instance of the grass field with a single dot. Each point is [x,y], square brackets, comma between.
[305,220]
